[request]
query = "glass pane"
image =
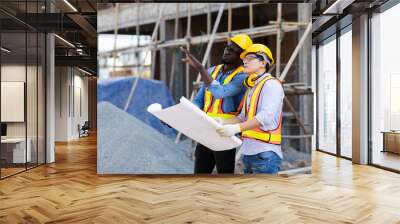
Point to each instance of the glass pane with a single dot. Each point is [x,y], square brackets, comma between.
[31,97]
[13,87]
[32,87]
[23,88]
[327,97]
[346,94]
[41,99]
[385,89]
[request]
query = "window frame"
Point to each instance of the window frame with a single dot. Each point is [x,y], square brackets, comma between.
[333,37]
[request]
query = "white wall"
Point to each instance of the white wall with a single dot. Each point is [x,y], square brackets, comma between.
[71,93]
[80,100]
[33,126]
[61,103]
[17,73]
[14,73]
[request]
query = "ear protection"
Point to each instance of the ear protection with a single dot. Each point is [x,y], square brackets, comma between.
[250,80]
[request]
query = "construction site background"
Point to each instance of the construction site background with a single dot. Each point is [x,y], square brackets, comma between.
[142,40]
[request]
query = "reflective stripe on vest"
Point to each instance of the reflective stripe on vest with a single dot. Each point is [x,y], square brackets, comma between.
[214,109]
[270,136]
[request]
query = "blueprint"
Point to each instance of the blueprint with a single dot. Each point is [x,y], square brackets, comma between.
[195,124]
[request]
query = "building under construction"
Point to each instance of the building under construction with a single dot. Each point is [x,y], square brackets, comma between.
[143,40]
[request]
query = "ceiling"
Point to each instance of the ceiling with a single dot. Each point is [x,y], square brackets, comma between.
[74,22]
[330,16]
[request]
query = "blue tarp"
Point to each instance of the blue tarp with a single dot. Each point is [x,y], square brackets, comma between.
[116,91]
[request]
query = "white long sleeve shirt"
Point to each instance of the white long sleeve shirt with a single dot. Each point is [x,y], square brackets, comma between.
[268,113]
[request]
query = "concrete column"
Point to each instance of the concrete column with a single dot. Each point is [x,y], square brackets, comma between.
[50,99]
[360,90]
[314,89]
[92,100]
[305,75]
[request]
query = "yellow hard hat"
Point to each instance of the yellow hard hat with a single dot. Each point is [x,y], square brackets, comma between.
[258,48]
[242,40]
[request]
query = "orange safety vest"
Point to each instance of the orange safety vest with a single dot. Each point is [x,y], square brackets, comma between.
[214,109]
[270,136]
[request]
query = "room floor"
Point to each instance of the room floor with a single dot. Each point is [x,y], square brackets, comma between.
[387,159]
[70,191]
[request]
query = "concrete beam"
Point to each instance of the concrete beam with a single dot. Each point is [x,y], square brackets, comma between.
[148,13]
[255,32]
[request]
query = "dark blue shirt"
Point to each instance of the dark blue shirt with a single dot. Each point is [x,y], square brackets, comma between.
[231,93]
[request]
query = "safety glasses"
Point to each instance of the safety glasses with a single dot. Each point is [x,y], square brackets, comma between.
[250,58]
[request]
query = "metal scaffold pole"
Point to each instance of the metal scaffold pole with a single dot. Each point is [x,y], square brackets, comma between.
[153,39]
[278,40]
[188,37]
[295,52]
[251,23]
[176,29]
[116,18]
[137,38]
[208,28]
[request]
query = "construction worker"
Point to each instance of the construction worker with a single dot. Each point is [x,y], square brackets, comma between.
[260,120]
[220,96]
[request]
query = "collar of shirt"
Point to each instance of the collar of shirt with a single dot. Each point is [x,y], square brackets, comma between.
[262,77]
[222,74]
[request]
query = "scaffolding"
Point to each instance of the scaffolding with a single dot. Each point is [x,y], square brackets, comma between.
[278,27]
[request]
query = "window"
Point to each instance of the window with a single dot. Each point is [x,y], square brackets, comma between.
[346,93]
[385,88]
[327,96]
[334,106]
